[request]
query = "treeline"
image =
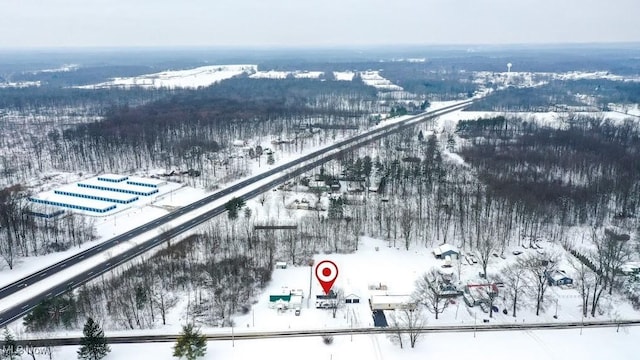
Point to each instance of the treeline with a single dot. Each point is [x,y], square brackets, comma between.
[22,234]
[36,98]
[561,93]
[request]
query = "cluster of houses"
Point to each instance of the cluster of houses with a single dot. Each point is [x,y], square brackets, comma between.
[477,294]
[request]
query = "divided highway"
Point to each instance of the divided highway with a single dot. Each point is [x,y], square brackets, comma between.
[287,171]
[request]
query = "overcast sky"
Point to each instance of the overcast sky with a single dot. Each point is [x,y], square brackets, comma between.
[55,23]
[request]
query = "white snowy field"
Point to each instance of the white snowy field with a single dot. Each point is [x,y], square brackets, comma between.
[550,118]
[190,78]
[274,74]
[373,78]
[522,345]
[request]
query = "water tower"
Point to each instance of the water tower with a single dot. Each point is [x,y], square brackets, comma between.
[509,67]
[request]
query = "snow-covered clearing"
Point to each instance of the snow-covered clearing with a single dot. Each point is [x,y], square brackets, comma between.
[191,78]
[550,118]
[344,75]
[373,78]
[274,74]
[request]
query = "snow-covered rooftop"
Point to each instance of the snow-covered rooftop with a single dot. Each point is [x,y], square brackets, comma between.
[72,200]
[119,186]
[114,195]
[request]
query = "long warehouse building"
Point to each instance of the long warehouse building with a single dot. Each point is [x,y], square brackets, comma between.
[118,187]
[96,194]
[73,202]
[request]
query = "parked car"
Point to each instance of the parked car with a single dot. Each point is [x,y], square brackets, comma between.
[297,312]
[517,252]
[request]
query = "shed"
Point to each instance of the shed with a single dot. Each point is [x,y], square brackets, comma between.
[559,277]
[444,250]
[281,265]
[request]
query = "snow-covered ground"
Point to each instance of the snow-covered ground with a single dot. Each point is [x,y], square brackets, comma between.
[273,74]
[550,118]
[373,78]
[522,345]
[190,78]
[344,75]
[20,84]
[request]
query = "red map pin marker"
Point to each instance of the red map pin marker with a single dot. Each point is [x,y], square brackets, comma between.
[326,273]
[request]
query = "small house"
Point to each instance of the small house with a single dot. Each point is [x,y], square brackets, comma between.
[281,265]
[444,250]
[279,301]
[559,277]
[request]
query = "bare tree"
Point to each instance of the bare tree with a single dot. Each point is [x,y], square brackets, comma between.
[583,279]
[337,303]
[514,281]
[537,267]
[409,321]
[428,294]
[486,247]
[396,326]
[406,224]
[263,198]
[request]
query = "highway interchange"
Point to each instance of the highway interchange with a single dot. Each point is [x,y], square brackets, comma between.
[286,172]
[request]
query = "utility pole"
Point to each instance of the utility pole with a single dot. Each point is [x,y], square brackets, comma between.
[310,280]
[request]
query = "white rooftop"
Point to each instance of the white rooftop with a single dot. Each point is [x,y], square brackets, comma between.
[391,299]
[72,200]
[150,181]
[95,192]
[114,177]
[444,248]
[119,185]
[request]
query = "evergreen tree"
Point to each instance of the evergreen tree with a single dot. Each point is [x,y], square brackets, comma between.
[233,206]
[93,345]
[10,347]
[191,344]
[270,159]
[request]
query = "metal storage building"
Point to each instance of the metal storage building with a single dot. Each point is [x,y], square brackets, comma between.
[95,194]
[72,202]
[118,187]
